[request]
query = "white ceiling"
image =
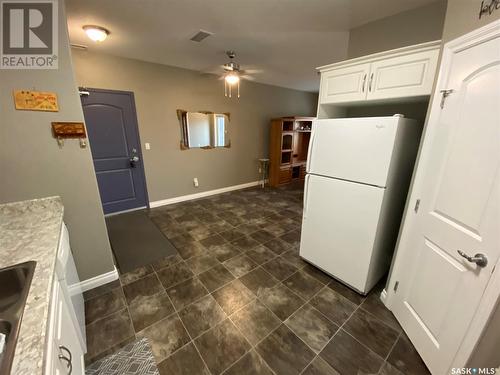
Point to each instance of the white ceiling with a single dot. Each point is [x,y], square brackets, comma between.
[285,39]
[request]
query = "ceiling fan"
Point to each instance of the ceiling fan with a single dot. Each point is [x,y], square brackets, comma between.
[233,74]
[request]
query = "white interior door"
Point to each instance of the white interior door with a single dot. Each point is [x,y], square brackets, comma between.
[458,184]
[339,226]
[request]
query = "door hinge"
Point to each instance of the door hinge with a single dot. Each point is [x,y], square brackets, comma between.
[444,95]
[396,284]
[417,205]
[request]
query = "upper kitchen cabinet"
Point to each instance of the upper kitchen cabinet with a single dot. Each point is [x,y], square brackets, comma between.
[398,75]
[342,85]
[403,76]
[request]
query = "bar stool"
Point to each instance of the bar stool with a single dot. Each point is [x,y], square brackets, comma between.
[263,170]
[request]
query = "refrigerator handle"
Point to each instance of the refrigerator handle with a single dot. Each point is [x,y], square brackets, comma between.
[309,150]
[306,190]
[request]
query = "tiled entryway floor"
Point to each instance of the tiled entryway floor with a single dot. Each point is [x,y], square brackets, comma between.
[237,299]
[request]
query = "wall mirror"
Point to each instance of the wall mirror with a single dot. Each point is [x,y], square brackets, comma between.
[204,129]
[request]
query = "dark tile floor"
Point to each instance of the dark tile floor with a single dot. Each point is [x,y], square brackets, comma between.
[238,299]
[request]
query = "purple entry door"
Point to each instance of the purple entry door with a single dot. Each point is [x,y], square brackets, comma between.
[112,129]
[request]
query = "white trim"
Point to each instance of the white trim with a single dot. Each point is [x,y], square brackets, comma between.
[491,294]
[203,194]
[96,281]
[436,44]
[125,211]
[383,296]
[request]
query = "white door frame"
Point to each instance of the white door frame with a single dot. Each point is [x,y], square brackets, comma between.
[492,292]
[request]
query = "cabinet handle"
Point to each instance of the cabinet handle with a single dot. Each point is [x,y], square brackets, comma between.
[69,361]
[63,348]
[364,82]
[370,83]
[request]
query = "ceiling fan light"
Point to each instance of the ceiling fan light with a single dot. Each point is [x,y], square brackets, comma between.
[232,78]
[96,33]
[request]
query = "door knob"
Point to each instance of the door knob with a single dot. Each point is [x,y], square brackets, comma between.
[134,159]
[479,259]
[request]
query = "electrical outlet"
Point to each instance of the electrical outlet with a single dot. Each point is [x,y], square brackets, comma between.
[147,146]
[260,170]
[195,182]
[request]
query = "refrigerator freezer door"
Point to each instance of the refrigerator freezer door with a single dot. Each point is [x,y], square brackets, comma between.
[357,149]
[338,227]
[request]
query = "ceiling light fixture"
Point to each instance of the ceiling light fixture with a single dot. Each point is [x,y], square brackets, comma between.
[96,33]
[232,78]
[232,75]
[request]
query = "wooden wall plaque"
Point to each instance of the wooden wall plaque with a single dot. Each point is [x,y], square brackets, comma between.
[64,130]
[28,100]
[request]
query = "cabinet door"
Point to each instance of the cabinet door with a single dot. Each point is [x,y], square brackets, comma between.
[345,84]
[403,76]
[68,277]
[68,350]
[285,175]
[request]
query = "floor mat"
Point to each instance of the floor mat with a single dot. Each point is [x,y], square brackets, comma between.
[136,241]
[134,359]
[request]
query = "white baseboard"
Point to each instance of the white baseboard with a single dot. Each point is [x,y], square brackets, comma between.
[203,194]
[383,296]
[99,280]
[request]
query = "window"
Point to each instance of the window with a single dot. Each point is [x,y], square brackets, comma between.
[220,132]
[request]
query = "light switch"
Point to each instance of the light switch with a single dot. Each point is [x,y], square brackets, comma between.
[147,146]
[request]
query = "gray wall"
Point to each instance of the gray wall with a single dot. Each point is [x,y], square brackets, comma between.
[33,166]
[415,26]
[160,90]
[414,110]
[461,18]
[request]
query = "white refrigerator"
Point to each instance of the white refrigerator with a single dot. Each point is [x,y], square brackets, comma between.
[358,174]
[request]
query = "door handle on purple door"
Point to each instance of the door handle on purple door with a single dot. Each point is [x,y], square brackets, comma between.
[133,160]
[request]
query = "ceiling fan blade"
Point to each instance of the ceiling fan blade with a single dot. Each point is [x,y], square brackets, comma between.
[252,71]
[247,77]
[211,70]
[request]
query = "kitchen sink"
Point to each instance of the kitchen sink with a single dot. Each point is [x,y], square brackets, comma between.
[15,283]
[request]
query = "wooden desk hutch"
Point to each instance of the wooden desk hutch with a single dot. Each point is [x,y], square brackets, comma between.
[288,146]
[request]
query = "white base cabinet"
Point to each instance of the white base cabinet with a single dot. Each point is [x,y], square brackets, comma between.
[65,355]
[66,344]
[402,73]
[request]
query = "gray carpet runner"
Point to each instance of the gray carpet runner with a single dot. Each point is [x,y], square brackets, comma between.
[134,359]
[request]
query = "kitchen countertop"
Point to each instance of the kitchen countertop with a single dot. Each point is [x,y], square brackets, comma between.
[30,230]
